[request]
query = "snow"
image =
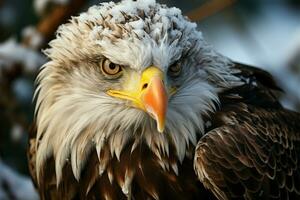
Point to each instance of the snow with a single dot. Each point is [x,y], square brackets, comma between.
[41,5]
[23,90]
[12,52]
[163,18]
[36,38]
[128,7]
[138,24]
[19,186]
[16,132]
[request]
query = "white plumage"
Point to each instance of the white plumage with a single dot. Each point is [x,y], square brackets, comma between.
[75,116]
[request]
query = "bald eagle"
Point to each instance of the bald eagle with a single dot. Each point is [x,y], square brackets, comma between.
[134,104]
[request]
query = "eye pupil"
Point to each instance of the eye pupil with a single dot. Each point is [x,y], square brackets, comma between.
[112,66]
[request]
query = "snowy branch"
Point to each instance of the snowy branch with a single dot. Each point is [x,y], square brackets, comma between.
[41,5]
[11,53]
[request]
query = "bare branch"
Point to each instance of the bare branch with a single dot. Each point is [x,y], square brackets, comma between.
[209,9]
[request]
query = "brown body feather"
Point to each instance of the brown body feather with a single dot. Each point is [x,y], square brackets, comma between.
[149,179]
[251,151]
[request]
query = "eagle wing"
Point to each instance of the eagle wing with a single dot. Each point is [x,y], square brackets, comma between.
[252,150]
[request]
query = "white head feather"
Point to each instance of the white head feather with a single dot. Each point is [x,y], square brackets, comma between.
[73,113]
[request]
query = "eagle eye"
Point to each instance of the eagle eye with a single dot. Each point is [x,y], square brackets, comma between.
[175,69]
[111,69]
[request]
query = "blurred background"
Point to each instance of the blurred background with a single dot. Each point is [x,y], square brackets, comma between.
[264,33]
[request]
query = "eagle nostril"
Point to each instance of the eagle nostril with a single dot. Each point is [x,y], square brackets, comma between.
[145,86]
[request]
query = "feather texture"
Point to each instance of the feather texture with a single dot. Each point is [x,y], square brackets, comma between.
[89,145]
[253,148]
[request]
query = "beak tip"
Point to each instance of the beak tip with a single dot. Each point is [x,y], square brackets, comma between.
[160,124]
[160,128]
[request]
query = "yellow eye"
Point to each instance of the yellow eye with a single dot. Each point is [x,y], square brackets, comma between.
[174,70]
[110,69]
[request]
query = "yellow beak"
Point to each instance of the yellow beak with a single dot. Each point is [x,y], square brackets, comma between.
[149,95]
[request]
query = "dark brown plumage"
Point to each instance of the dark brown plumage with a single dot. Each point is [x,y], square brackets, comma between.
[252,149]
[150,180]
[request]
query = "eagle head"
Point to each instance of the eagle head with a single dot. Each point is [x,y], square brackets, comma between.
[134,71]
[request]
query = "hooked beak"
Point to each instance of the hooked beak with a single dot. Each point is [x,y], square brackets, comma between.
[149,95]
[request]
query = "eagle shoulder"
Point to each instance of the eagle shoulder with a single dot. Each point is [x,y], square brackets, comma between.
[256,155]
[252,149]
